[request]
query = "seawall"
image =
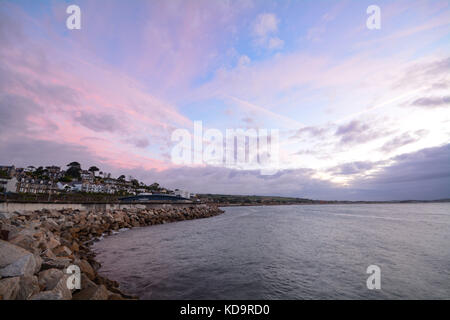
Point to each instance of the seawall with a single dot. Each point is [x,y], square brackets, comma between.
[11,207]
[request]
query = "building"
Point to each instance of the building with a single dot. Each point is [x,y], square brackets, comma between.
[54,172]
[9,185]
[87,176]
[29,169]
[36,186]
[147,197]
[64,186]
[9,170]
[182,194]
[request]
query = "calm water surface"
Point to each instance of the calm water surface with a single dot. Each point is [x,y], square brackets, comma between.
[287,252]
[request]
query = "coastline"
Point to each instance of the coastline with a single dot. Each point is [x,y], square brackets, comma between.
[36,248]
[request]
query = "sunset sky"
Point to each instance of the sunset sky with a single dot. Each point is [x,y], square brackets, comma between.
[362,114]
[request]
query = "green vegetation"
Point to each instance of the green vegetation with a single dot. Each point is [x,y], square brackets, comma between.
[65,179]
[251,200]
[74,170]
[93,169]
[3,174]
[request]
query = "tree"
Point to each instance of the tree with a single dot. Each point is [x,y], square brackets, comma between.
[154,186]
[121,178]
[65,179]
[74,164]
[4,174]
[135,183]
[93,169]
[74,170]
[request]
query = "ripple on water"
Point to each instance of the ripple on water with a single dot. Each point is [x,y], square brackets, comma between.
[287,252]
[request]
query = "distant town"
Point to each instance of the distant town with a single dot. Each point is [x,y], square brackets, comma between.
[53,180]
[75,184]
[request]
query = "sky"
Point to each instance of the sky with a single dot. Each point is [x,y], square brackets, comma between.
[362,114]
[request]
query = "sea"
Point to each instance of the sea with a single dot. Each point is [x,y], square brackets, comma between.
[355,251]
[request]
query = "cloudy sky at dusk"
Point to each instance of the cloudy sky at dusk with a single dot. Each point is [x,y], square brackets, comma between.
[362,114]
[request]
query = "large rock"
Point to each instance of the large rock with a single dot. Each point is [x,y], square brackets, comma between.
[62,251]
[55,280]
[47,295]
[86,282]
[58,263]
[24,241]
[9,288]
[87,269]
[7,215]
[53,243]
[48,279]
[16,261]
[28,287]
[92,293]
[50,225]
[62,287]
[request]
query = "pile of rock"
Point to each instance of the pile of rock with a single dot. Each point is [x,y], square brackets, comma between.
[36,248]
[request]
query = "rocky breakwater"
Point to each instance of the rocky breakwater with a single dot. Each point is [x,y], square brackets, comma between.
[37,248]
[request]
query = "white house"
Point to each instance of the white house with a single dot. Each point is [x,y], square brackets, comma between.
[77,186]
[183,194]
[10,185]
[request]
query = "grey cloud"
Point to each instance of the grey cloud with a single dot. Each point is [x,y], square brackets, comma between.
[403,140]
[99,122]
[356,132]
[424,175]
[432,102]
[53,95]
[13,112]
[425,164]
[440,85]
[23,152]
[421,73]
[353,167]
[139,142]
[421,175]
[311,131]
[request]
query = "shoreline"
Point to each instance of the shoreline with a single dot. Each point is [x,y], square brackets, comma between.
[36,248]
[225,205]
